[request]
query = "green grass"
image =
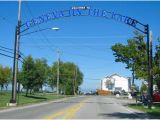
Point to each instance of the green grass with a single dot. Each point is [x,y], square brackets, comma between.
[154,112]
[23,100]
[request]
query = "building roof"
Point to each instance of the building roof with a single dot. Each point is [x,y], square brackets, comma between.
[115,74]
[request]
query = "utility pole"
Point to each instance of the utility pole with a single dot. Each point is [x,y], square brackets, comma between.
[75,80]
[16,56]
[151,73]
[58,60]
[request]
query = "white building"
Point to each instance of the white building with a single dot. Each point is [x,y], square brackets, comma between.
[115,82]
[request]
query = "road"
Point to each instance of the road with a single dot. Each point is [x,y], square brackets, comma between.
[80,107]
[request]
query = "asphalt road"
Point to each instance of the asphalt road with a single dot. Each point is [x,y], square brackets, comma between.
[80,107]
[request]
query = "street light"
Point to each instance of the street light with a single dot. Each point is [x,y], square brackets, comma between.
[53,28]
[16,58]
[18,34]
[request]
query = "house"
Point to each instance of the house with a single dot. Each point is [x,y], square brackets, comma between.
[116,82]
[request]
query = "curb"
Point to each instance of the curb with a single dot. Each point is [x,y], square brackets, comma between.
[34,105]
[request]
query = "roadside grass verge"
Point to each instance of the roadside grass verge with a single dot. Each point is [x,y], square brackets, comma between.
[30,99]
[153,112]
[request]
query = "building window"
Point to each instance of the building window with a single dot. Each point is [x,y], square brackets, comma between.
[109,84]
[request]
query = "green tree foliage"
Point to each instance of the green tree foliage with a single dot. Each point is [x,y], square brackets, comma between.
[8,76]
[133,54]
[143,88]
[52,78]
[70,77]
[28,73]
[156,65]
[41,73]
[34,74]
[5,76]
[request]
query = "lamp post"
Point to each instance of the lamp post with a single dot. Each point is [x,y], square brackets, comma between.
[149,69]
[151,72]
[40,30]
[16,57]
[16,54]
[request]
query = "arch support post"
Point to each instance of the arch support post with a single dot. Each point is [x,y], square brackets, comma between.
[149,66]
[13,101]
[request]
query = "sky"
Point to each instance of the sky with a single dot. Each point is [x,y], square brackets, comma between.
[86,40]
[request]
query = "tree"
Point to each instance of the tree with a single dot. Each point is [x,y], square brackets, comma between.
[34,74]
[20,78]
[143,88]
[52,76]
[134,55]
[41,73]
[5,76]
[74,78]
[28,71]
[156,65]
[70,77]
[125,54]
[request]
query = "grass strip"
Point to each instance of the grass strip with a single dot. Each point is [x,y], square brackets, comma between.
[155,111]
[30,99]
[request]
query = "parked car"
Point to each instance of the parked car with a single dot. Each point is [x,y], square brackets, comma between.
[144,98]
[87,93]
[156,96]
[120,92]
[134,94]
[117,92]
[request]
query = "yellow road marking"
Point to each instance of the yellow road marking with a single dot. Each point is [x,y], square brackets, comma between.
[72,112]
[55,115]
[68,112]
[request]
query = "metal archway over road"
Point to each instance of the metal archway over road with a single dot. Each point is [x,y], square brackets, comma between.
[85,11]
[82,11]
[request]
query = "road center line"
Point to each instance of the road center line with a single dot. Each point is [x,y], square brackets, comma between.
[68,112]
[73,111]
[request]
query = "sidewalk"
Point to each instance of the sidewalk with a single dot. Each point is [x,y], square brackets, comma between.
[126,102]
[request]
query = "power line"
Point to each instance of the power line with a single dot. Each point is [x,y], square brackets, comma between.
[83,78]
[44,39]
[22,54]
[12,57]
[6,55]
[6,48]
[33,40]
[49,43]
[6,51]
[95,79]
[42,33]
[86,56]
[9,50]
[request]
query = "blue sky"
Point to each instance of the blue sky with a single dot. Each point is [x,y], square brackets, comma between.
[86,41]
